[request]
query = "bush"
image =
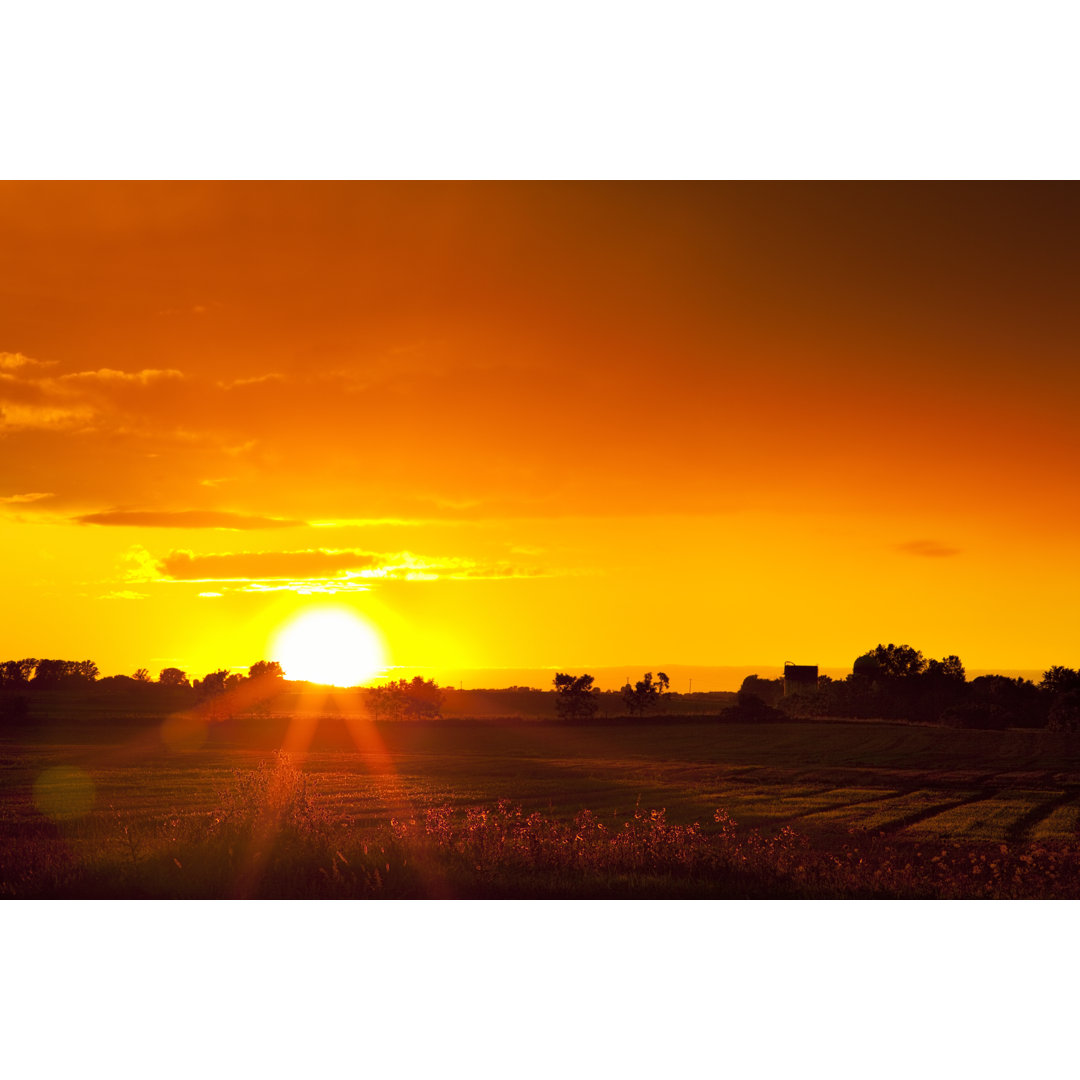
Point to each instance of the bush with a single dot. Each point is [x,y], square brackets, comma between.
[986,717]
[751,709]
[1065,712]
[420,699]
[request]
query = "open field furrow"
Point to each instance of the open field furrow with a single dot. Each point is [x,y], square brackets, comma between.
[985,817]
[938,802]
[1027,826]
[88,801]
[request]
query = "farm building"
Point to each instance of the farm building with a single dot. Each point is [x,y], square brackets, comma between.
[799,678]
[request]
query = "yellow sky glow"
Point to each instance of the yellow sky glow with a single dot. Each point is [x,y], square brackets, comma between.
[531,425]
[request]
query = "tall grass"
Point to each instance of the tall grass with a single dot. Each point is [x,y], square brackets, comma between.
[270,836]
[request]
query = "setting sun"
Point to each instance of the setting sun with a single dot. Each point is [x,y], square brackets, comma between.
[331,646]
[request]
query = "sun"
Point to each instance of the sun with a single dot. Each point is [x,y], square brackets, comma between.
[329,645]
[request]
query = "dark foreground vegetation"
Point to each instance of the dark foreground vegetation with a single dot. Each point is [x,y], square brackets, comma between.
[392,810]
[903,780]
[270,837]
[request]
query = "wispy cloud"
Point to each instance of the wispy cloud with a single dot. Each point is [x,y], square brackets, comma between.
[18,416]
[29,497]
[145,377]
[325,570]
[185,519]
[138,566]
[253,380]
[15,361]
[927,549]
[32,397]
[124,594]
[264,565]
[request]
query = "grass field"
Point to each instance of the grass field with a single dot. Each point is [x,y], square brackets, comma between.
[131,809]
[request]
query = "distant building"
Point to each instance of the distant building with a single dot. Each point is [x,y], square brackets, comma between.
[799,678]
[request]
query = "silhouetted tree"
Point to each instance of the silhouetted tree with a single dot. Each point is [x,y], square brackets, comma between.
[420,699]
[142,675]
[266,669]
[212,683]
[57,673]
[645,694]
[1019,701]
[576,698]
[264,682]
[16,673]
[768,690]
[173,676]
[948,669]
[890,662]
[86,671]
[1059,680]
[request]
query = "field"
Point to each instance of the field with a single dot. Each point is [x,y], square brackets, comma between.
[697,809]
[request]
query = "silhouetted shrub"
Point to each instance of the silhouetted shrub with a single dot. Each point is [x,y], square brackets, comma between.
[1065,712]
[420,699]
[768,690]
[750,708]
[971,715]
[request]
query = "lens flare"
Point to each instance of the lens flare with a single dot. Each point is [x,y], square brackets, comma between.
[330,645]
[64,793]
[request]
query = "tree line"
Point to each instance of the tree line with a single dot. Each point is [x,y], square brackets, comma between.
[578,699]
[898,682]
[886,682]
[33,674]
[23,680]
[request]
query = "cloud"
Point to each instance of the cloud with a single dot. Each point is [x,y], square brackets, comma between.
[307,444]
[318,564]
[325,570]
[112,376]
[138,565]
[363,523]
[34,399]
[44,417]
[30,496]
[124,594]
[254,380]
[185,519]
[927,549]
[15,361]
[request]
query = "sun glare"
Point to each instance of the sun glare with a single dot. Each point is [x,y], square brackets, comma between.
[331,646]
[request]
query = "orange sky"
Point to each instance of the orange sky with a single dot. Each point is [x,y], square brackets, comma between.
[522,425]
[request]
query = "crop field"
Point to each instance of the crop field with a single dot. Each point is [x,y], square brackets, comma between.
[354,808]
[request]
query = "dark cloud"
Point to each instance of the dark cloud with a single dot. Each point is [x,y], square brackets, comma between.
[185,519]
[927,549]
